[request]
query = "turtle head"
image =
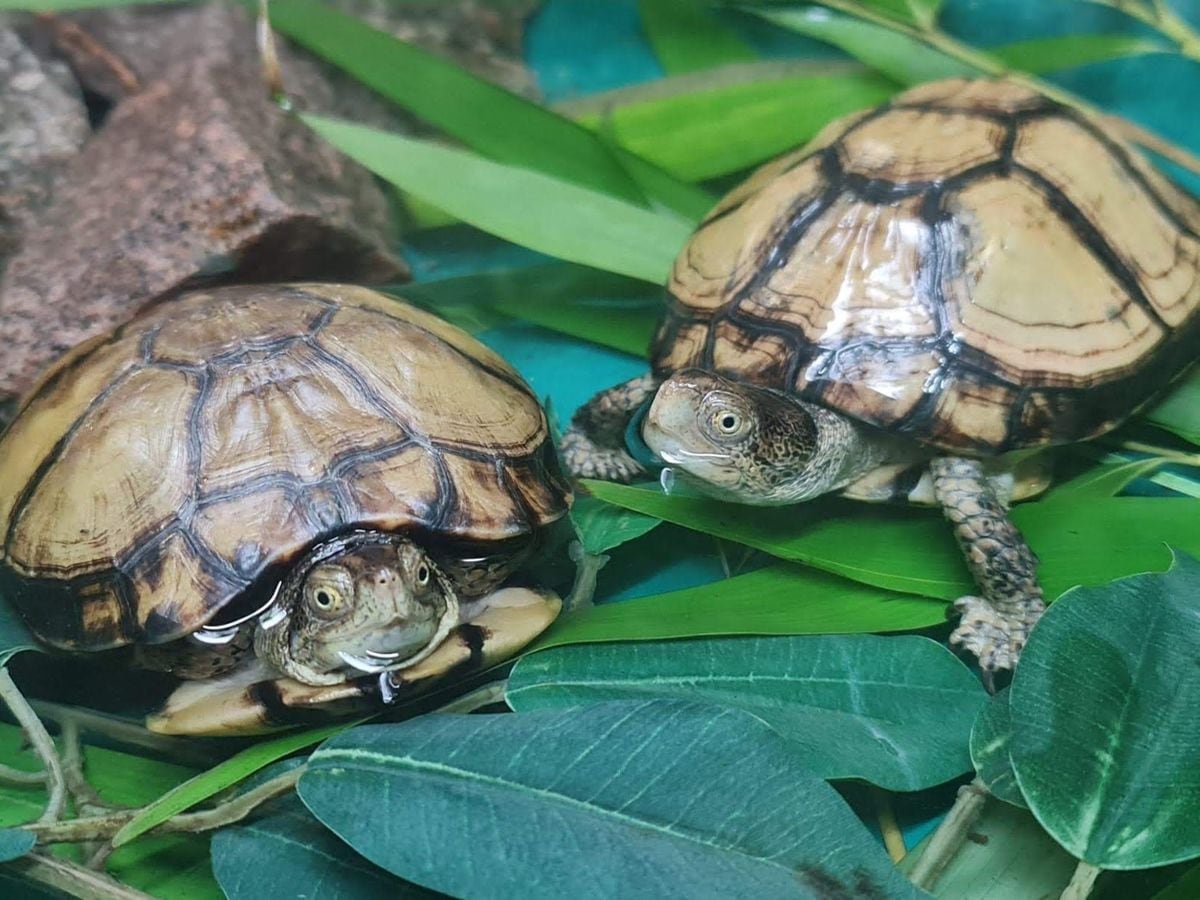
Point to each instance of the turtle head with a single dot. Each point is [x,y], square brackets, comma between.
[752,444]
[368,607]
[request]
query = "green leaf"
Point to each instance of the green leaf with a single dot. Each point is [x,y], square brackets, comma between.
[672,798]
[900,57]
[519,205]
[686,36]
[1007,856]
[489,119]
[1068,51]
[15,636]
[913,550]
[306,860]
[713,131]
[1106,720]
[991,739]
[779,599]
[603,526]
[1106,480]
[896,712]
[221,776]
[1186,888]
[1179,413]
[15,842]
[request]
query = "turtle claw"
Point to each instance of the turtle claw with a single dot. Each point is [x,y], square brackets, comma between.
[995,639]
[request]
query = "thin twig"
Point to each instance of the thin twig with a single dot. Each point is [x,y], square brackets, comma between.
[1081,882]
[9,775]
[587,568]
[949,835]
[103,828]
[73,879]
[43,746]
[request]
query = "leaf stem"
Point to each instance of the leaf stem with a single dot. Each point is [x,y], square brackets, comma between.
[43,746]
[893,837]
[949,835]
[1081,882]
[587,567]
[72,878]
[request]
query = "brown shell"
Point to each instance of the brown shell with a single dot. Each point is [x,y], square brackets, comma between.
[156,474]
[971,265]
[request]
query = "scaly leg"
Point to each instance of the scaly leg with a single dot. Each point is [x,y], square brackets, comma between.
[995,626]
[594,445]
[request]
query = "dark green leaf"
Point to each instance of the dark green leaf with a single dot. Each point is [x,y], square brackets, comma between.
[1186,888]
[306,860]
[520,205]
[990,741]
[1049,54]
[15,842]
[673,799]
[1106,480]
[1106,720]
[484,116]
[903,58]
[686,36]
[893,711]
[913,551]
[780,599]
[1179,413]
[603,526]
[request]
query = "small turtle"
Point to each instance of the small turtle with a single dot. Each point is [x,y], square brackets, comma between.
[307,495]
[892,311]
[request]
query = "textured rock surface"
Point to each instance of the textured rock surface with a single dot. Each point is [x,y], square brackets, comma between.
[197,176]
[43,123]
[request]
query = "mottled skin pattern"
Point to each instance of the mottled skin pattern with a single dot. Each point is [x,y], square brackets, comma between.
[594,445]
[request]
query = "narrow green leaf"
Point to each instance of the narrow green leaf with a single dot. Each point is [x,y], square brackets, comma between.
[913,550]
[925,12]
[519,205]
[718,130]
[779,599]
[896,712]
[662,797]
[1067,51]
[686,36]
[903,58]
[1105,480]
[221,776]
[690,202]
[1105,713]
[603,526]
[484,116]
[15,842]
[991,739]
[1179,412]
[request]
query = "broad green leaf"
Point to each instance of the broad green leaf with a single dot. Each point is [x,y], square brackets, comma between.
[913,551]
[1007,856]
[489,119]
[221,776]
[1106,480]
[1186,888]
[519,205]
[1179,412]
[14,635]
[661,797]
[1067,51]
[900,57]
[1106,720]
[896,711]
[686,36]
[306,860]
[779,599]
[15,842]
[990,741]
[603,526]
[714,131]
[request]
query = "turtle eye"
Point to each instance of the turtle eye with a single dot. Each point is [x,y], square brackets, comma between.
[727,422]
[326,599]
[423,575]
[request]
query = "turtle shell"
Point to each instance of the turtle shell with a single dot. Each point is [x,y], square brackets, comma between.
[971,265]
[158,473]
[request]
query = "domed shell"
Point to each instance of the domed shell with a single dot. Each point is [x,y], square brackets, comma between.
[159,472]
[971,265]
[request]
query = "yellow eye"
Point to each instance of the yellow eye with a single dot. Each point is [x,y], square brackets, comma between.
[728,422]
[326,599]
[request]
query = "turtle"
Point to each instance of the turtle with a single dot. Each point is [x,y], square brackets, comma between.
[909,308]
[298,498]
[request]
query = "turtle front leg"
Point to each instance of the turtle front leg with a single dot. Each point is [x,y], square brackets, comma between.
[594,445]
[995,626]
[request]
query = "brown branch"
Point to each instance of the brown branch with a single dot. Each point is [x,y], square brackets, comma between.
[43,746]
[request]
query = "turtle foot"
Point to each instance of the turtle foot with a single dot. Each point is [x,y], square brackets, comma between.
[994,637]
[586,459]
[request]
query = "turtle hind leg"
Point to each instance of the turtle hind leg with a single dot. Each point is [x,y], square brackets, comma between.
[594,445]
[996,626]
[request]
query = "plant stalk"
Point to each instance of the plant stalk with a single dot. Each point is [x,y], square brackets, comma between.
[950,835]
[587,568]
[43,746]
[1080,885]
[73,879]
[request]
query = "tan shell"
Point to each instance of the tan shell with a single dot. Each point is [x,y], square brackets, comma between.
[971,265]
[158,473]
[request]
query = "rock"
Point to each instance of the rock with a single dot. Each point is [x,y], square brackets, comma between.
[196,178]
[43,122]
